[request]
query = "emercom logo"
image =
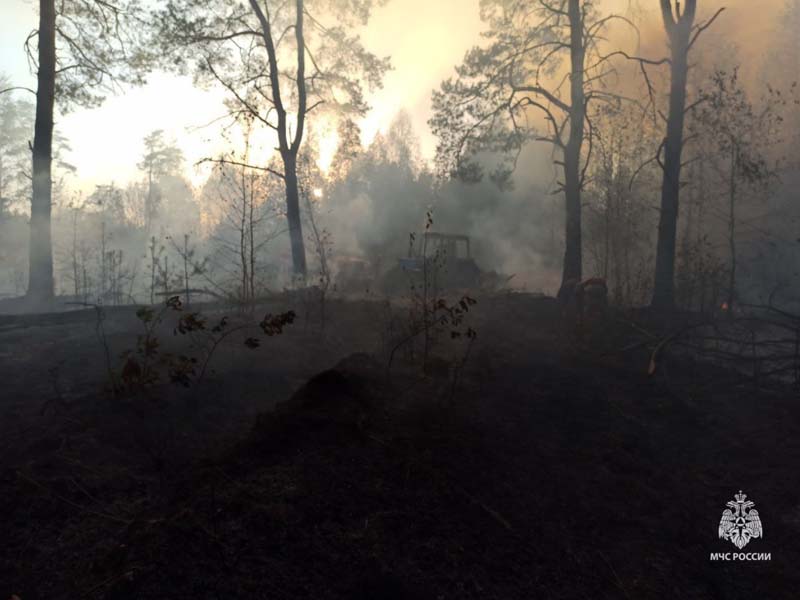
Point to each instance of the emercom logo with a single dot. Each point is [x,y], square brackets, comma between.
[739,524]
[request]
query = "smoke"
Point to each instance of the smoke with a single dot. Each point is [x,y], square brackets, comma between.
[388,191]
[373,211]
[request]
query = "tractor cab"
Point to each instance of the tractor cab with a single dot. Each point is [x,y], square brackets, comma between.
[436,248]
[448,260]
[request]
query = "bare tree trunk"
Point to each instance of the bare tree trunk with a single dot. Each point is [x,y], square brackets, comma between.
[84,278]
[572,152]
[607,236]
[186,266]
[166,276]
[686,263]
[3,202]
[153,267]
[572,269]
[678,30]
[293,214]
[40,270]
[243,240]
[75,274]
[148,211]
[252,233]
[732,225]
[103,259]
[702,207]
[289,149]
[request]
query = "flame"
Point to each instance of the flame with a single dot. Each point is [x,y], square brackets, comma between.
[724,306]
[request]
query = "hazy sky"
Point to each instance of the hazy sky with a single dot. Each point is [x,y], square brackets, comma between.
[106,141]
[425,39]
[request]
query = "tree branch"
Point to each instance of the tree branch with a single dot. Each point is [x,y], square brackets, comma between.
[224,161]
[17,87]
[703,27]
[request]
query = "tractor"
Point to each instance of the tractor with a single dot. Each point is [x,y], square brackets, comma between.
[441,259]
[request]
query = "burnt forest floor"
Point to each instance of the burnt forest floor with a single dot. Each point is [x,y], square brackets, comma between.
[538,464]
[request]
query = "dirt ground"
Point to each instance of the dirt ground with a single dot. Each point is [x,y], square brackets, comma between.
[530,463]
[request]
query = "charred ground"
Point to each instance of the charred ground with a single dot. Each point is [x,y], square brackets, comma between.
[551,466]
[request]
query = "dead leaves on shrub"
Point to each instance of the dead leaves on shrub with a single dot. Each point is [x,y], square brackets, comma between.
[274,324]
[252,343]
[142,365]
[189,323]
[453,316]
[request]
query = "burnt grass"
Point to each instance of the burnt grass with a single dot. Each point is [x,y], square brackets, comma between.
[555,467]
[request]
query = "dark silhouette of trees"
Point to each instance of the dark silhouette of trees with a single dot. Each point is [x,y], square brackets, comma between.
[490,107]
[618,209]
[682,33]
[16,125]
[738,137]
[348,149]
[279,62]
[40,268]
[160,158]
[253,217]
[85,48]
